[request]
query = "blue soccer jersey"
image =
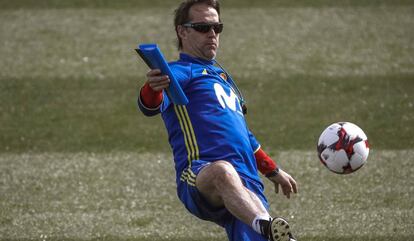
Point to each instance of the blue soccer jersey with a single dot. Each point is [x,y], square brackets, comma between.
[211,126]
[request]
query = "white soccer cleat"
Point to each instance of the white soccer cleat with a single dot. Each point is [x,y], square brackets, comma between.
[280,230]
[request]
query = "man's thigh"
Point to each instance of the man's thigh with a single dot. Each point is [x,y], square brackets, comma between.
[210,181]
[194,200]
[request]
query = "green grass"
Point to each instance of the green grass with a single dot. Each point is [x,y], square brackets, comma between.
[121,4]
[79,162]
[125,196]
[69,81]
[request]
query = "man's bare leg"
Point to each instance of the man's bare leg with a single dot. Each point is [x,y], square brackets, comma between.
[221,185]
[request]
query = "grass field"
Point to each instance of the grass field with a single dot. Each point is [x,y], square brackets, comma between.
[78,162]
[131,196]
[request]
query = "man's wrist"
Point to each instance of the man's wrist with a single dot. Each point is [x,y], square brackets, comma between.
[265,164]
[273,173]
[149,97]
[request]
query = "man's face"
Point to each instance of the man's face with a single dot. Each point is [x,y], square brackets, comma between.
[197,44]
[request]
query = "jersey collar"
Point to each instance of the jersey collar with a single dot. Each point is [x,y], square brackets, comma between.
[188,58]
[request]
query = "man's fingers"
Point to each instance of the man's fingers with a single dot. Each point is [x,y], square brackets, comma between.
[276,188]
[294,186]
[286,182]
[158,83]
[287,189]
[153,72]
[158,79]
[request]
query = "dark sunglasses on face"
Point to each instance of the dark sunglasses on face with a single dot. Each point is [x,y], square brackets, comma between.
[205,27]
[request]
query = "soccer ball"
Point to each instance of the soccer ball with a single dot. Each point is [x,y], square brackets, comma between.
[343,147]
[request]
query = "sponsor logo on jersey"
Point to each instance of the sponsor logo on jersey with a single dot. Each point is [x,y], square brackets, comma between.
[227,101]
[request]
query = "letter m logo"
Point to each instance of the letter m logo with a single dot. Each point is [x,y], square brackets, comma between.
[231,101]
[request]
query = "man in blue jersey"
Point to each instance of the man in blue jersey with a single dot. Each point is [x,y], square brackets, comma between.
[217,158]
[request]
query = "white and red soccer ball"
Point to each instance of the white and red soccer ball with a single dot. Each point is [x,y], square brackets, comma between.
[343,147]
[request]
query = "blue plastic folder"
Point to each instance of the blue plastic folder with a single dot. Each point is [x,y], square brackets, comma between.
[153,57]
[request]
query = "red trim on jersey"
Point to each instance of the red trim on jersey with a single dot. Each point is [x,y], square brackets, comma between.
[149,97]
[265,164]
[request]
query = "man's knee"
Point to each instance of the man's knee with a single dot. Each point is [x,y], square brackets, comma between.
[216,173]
[223,173]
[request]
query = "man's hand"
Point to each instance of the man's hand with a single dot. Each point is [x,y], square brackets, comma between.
[287,183]
[156,81]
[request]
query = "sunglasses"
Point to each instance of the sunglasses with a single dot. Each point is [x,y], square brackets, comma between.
[205,27]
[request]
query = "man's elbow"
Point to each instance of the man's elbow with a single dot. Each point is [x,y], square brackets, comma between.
[148,111]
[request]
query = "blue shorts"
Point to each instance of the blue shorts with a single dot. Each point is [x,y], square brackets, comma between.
[199,206]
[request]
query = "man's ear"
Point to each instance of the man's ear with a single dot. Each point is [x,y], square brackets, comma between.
[181,31]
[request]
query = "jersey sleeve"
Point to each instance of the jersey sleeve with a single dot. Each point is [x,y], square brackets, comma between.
[265,164]
[254,142]
[149,101]
[182,73]
[146,110]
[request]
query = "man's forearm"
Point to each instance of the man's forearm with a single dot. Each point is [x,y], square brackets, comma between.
[149,101]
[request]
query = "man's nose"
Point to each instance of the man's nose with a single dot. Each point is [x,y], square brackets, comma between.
[211,32]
